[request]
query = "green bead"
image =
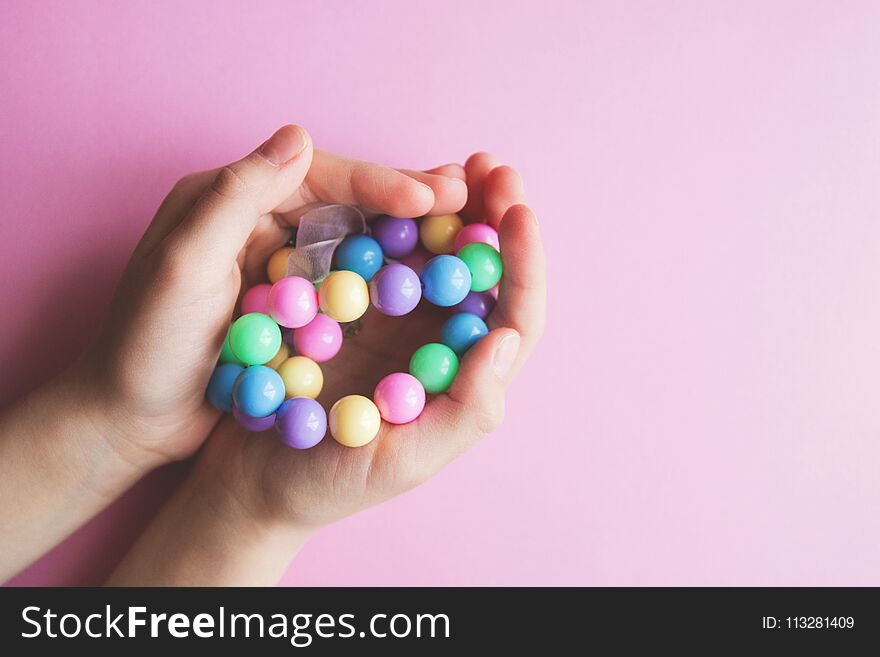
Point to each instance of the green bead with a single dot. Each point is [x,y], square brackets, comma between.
[484,263]
[255,338]
[226,355]
[435,366]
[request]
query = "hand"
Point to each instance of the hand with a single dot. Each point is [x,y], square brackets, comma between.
[213,233]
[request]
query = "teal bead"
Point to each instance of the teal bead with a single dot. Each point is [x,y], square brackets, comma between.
[255,338]
[435,366]
[484,263]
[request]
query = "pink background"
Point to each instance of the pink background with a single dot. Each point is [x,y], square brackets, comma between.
[703,409]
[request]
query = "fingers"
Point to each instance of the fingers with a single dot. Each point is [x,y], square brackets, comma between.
[522,297]
[220,222]
[503,189]
[449,170]
[450,192]
[477,170]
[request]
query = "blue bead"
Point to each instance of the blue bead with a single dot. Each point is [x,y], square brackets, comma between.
[258,391]
[446,280]
[461,332]
[360,254]
[219,392]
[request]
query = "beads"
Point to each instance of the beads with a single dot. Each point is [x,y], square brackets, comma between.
[302,377]
[446,280]
[301,422]
[354,421]
[477,233]
[320,339]
[461,332]
[400,398]
[277,267]
[344,296]
[395,290]
[293,302]
[438,233]
[226,355]
[254,338]
[435,366]
[483,263]
[256,299]
[258,391]
[476,303]
[282,355]
[255,424]
[397,236]
[219,392]
[360,254]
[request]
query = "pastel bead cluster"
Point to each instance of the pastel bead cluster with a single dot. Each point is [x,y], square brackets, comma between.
[264,384]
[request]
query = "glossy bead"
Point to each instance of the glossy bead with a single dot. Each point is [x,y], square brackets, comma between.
[360,254]
[293,301]
[255,424]
[354,421]
[395,290]
[219,391]
[435,366]
[319,340]
[277,266]
[301,422]
[302,377]
[476,303]
[462,331]
[417,259]
[344,296]
[282,355]
[397,236]
[484,264]
[254,338]
[399,397]
[438,233]
[226,355]
[256,299]
[258,391]
[477,233]
[446,280]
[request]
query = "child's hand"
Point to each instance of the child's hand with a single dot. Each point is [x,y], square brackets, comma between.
[214,231]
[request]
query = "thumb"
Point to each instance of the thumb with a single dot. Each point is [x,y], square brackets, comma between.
[220,222]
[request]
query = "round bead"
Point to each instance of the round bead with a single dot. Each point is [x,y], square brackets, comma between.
[438,233]
[344,296]
[360,254]
[435,366]
[277,266]
[301,422]
[282,355]
[397,236]
[477,233]
[256,299]
[255,424]
[219,392]
[446,280]
[319,340]
[293,301]
[461,332]
[395,290]
[354,421]
[400,398]
[258,391]
[417,259]
[476,303]
[302,377]
[484,264]
[226,355]
[254,338]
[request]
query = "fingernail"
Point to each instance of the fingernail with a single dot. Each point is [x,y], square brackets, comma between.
[287,142]
[505,354]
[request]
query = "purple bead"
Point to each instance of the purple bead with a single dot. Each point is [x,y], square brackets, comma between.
[476,303]
[397,236]
[395,290]
[255,424]
[301,422]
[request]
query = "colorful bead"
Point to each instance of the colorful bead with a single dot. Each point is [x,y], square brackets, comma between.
[462,331]
[301,422]
[219,392]
[282,355]
[344,296]
[477,303]
[395,290]
[438,233]
[417,259]
[319,340]
[254,338]
[293,302]
[360,254]
[484,264]
[302,377]
[397,236]
[256,299]
[477,233]
[277,267]
[226,355]
[255,424]
[258,391]
[435,366]
[399,397]
[354,421]
[446,280]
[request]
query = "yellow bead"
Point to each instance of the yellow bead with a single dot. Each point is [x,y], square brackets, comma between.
[343,296]
[302,377]
[277,267]
[282,355]
[438,233]
[354,421]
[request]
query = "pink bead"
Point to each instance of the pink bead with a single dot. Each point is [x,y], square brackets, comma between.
[293,302]
[256,300]
[417,259]
[477,233]
[319,340]
[399,397]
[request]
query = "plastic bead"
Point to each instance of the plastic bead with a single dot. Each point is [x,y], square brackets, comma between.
[446,280]
[219,392]
[462,331]
[435,366]
[277,267]
[360,254]
[282,355]
[226,355]
[354,421]
[400,398]
[397,236]
[255,424]
[301,422]
[438,233]
[256,299]
[254,338]
[293,302]
[395,290]
[319,340]
[258,391]
[476,303]
[484,264]
[344,296]
[417,259]
[302,377]
[477,233]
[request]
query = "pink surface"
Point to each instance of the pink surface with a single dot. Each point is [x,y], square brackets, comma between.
[703,409]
